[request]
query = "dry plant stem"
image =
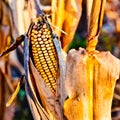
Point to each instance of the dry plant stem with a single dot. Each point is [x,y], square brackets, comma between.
[96,19]
[90,87]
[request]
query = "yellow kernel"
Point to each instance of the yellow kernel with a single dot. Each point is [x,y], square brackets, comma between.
[50,40]
[38,35]
[45,39]
[44,62]
[48,62]
[42,59]
[48,32]
[32,34]
[36,32]
[40,31]
[39,52]
[38,49]
[52,81]
[50,76]
[50,66]
[42,45]
[50,52]
[51,44]
[45,65]
[48,48]
[35,36]
[32,42]
[45,51]
[43,36]
[48,83]
[47,59]
[41,42]
[47,45]
[47,70]
[36,59]
[40,55]
[46,54]
[42,73]
[46,42]
[36,62]
[34,48]
[41,70]
[43,48]
[48,73]
[39,39]
[45,78]
[38,45]
[44,33]
[49,36]
[33,39]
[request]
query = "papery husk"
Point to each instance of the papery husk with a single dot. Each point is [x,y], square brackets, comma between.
[43,103]
[90,81]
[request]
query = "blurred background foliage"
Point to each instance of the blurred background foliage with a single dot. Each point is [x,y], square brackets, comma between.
[109,39]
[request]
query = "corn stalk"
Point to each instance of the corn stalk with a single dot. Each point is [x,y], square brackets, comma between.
[90,87]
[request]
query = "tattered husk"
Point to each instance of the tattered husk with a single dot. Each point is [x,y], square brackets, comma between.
[44,105]
[90,81]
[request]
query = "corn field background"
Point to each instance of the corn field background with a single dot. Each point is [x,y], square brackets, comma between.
[15,18]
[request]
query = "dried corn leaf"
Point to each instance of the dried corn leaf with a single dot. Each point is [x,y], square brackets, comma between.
[73,10]
[65,16]
[90,82]
[37,110]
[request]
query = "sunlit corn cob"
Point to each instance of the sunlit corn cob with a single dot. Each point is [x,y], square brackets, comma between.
[43,52]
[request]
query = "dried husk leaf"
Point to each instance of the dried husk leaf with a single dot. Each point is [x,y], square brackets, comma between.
[90,82]
[37,110]
[41,100]
[73,10]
